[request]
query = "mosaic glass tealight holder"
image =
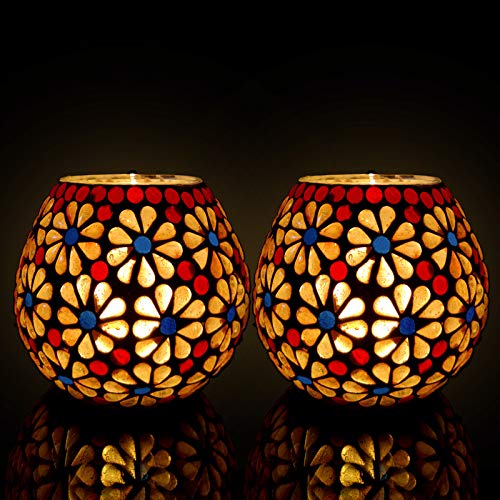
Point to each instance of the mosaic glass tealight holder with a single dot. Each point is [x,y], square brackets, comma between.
[370,289]
[131,289]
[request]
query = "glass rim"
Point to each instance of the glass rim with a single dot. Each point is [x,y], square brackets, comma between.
[133,179]
[372,179]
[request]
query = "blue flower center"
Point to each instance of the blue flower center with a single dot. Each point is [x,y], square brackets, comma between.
[381,245]
[231,313]
[142,390]
[142,245]
[379,391]
[326,320]
[310,236]
[452,239]
[407,326]
[304,380]
[87,320]
[268,301]
[469,315]
[71,236]
[65,380]
[28,300]
[212,238]
[168,326]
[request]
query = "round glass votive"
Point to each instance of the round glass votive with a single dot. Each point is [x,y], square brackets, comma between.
[370,289]
[131,288]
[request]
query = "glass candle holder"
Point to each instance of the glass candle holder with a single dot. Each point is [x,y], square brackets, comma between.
[370,289]
[131,289]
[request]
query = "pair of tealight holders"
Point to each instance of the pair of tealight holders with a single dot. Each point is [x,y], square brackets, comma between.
[133,289]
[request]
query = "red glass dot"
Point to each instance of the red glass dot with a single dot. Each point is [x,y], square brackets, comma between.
[447,194]
[200,349]
[424,366]
[198,196]
[411,196]
[186,270]
[187,199]
[53,190]
[440,284]
[60,190]
[70,192]
[98,367]
[427,200]
[292,191]
[439,349]
[186,366]
[475,256]
[172,196]
[120,357]
[457,212]
[340,401]
[374,194]
[104,213]
[272,345]
[32,345]
[135,194]
[300,190]
[296,205]
[278,255]
[425,270]
[438,196]
[98,193]
[116,195]
[100,400]
[218,212]
[309,192]
[82,193]
[99,270]
[392,195]
[173,214]
[337,368]
[321,193]
[201,285]
[58,205]
[39,256]
[236,256]
[337,193]
[54,337]
[360,356]
[209,195]
[344,213]
[355,194]
[153,195]
[293,337]
[338,270]
[412,214]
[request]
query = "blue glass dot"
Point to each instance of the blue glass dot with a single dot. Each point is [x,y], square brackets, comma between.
[212,238]
[326,320]
[452,239]
[28,300]
[381,245]
[168,326]
[304,380]
[65,380]
[310,236]
[231,313]
[469,315]
[407,326]
[379,391]
[71,236]
[142,245]
[268,301]
[87,320]
[142,390]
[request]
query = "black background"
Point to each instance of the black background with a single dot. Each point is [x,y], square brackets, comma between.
[250,110]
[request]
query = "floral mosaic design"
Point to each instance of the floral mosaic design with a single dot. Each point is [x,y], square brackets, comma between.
[370,295]
[131,295]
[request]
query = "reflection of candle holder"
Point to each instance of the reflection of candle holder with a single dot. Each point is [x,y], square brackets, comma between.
[131,289]
[313,449]
[66,449]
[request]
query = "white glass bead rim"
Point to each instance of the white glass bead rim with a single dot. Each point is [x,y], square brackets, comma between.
[133,179]
[372,179]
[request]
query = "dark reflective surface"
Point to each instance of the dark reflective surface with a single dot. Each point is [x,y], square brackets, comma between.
[309,449]
[67,449]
